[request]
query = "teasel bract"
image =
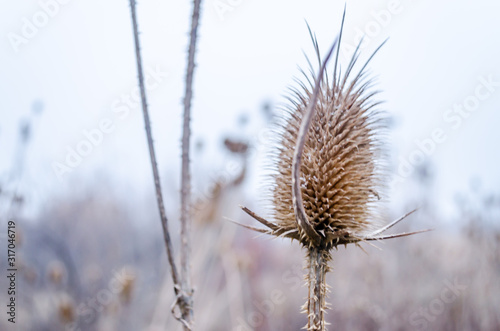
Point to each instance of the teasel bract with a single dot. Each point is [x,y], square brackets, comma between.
[329,170]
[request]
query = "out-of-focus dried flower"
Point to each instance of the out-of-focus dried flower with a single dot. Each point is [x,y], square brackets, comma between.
[66,310]
[234,146]
[56,272]
[128,284]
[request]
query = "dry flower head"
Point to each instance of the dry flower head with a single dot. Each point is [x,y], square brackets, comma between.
[328,161]
[329,170]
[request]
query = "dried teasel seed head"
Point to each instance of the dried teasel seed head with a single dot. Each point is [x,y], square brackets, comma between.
[341,172]
[329,164]
[328,171]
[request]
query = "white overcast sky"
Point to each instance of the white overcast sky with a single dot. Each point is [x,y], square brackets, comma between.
[81,61]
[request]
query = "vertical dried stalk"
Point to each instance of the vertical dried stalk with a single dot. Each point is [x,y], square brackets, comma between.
[316,301]
[187,315]
[159,196]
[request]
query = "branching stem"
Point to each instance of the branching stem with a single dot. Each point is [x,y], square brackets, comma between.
[182,300]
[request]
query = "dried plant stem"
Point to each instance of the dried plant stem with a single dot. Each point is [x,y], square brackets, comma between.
[316,302]
[183,305]
[187,314]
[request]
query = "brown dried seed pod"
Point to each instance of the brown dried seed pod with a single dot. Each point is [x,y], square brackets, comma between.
[329,171]
[339,176]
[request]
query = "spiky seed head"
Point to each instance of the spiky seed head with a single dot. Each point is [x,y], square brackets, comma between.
[329,172]
[341,175]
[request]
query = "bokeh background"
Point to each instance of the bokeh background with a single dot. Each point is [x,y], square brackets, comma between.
[75,173]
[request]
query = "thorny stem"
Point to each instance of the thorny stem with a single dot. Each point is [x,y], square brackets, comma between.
[159,196]
[316,301]
[187,315]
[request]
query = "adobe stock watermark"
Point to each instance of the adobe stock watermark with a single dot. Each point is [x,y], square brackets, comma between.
[265,308]
[454,119]
[380,20]
[223,7]
[428,314]
[88,311]
[93,138]
[31,26]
